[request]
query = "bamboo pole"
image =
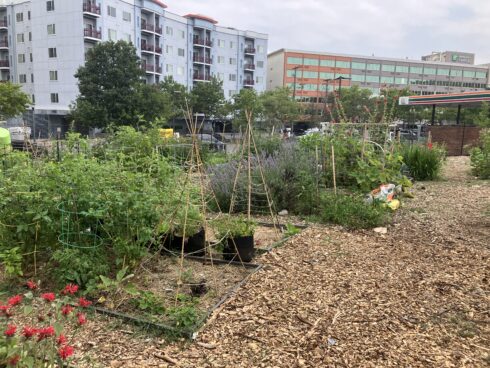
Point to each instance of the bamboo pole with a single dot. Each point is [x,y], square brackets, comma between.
[333,171]
[249,163]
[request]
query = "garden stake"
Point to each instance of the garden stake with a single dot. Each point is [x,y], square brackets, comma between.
[333,171]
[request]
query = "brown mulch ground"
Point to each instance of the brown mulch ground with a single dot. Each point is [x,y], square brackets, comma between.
[415,297]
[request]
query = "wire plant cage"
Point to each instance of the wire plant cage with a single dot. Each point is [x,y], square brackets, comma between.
[79,229]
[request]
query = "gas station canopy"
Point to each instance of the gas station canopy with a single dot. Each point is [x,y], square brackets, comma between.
[463,98]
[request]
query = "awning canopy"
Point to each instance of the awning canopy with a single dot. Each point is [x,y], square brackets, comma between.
[463,98]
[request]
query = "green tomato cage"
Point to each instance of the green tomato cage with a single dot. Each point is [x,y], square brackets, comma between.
[79,229]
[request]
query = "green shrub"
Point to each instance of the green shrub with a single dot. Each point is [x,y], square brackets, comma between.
[480,156]
[423,162]
[351,211]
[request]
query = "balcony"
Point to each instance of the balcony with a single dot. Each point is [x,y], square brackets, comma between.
[158,50]
[249,66]
[147,48]
[91,10]
[248,83]
[3,24]
[149,68]
[158,70]
[150,28]
[4,64]
[250,50]
[4,44]
[91,34]
[201,59]
[202,42]
[201,77]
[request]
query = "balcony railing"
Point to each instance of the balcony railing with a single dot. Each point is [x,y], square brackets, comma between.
[91,8]
[249,66]
[4,64]
[147,27]
[158,70]
[159,30]
[248,82]
[202,77]
[250,50]
[92,33]
[145,47]
[158,50]
[202,59]
[148,67]
[3,23]
[202,42]
[4,43]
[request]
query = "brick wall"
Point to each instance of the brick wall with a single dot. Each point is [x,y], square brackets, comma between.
[452,137]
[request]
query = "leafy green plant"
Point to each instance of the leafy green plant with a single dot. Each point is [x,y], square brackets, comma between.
[12,261]
[185,315]
[149,302]
[119,284]
[351,211]
[480,156]
[234,226]
[291,230]
[424,163]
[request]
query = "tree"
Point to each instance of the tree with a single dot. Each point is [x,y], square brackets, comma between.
[179,97]
[154,103]
[246,102]
[207,98]
[112,88]
[13,101]
[355,101]
[483,117]
[278,107]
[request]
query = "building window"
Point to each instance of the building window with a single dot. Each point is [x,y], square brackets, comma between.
[32,78]
[19,17]
[388,68]
[260,49]
[112,34]
[22,78]
[431,71]
[30,57]
[182,34]
[181,52]
[232,44]
[21,58]
[328,63]
[308,74]
[358,65]
[54,98]
[221,76]
[480,74]
[308,61]
[52,52]
[169,49]
[326,75]
[221,59]
[292,73]
[295,60]
[53,75]
[260,64]
[231,93]
[170,68]
[372,78]
[416,69]
[180,70]
[401,69]
[51,29]
[358,78]
[30,36]
[20,37]
[111,11]
[127,37]
[370,66]
[33,98]
[29,15]
[169,31]
[126,16]
[259,80]
[456,73]
[50,5]
[443,72]
[387,80]
[232,61]
[232,77]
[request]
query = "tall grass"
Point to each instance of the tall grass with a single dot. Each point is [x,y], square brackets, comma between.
[424,163]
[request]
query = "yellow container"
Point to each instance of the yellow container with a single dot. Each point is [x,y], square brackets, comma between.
[166,133]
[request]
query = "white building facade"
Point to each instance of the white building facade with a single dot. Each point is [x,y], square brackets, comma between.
[44,42]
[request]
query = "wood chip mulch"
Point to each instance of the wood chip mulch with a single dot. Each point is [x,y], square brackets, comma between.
[415,297]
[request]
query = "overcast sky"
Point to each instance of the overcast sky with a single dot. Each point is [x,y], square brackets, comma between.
[391,28]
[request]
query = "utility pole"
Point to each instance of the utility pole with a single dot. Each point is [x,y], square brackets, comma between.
[294,84]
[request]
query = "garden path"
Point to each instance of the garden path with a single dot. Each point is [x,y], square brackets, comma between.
[415,297]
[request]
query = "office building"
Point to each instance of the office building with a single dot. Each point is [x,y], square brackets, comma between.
[44,42]
[315,71]
[451,57]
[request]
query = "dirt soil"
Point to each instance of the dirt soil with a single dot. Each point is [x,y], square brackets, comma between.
[417,296]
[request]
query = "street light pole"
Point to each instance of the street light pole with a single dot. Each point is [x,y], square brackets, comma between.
[340,84]
[326,95]
[294,84]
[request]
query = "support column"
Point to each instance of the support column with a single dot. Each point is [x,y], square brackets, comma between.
[458,117]
[433,115]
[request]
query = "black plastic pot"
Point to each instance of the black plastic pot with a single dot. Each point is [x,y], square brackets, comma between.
[239,248]
[196,244]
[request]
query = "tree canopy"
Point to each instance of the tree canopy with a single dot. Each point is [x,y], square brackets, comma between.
[13,101]
[208,98]
[113,91]
[278,107]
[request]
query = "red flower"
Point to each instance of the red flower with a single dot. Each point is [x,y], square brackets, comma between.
[66,309]
[70,289]
[65,352]
[61,340]
[81,319]
[10,331]
[84,303]
[14,360]
[45,332]
[15,300]
[31,285]
[5,309]
[28,332]
[49,297]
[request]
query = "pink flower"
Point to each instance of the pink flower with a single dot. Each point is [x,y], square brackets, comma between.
[65,351]
[10,331]
[14,360]
[66,309]
[28,332]
[49,297]
[15,300]
[84,303]
[31,285]
[70,289]
[81,319]
[61,340]
[45,332]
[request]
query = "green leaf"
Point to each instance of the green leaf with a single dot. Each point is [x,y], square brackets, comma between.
[28,309]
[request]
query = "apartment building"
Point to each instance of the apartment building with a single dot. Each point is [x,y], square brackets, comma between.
[314,72]
[44,42]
